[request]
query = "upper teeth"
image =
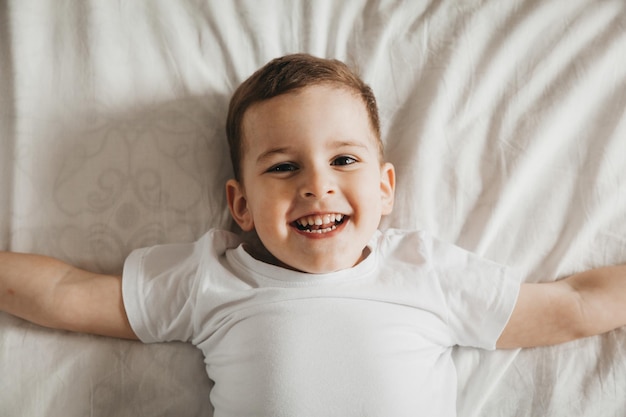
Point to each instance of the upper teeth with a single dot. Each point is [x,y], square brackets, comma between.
[319,220]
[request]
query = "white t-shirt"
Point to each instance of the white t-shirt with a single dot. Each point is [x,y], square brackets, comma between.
[372,340]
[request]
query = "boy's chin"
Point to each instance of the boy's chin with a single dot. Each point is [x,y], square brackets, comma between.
[308,266]
[321,266]
[308,263]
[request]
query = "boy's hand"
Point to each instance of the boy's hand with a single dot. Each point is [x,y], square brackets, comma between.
[54,294]
[581,305]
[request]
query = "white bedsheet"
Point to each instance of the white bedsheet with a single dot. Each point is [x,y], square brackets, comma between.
[504,119]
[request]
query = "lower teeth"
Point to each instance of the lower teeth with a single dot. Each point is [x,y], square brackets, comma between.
[329,229]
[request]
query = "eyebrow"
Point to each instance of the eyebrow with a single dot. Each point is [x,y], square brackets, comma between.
[349,144]
[271,152]
[286,149]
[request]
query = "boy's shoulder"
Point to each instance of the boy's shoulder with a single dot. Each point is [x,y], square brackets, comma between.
[212,243]
[395,238]
[421,246]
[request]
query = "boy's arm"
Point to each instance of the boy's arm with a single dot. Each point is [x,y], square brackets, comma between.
[581,305]
[54,294]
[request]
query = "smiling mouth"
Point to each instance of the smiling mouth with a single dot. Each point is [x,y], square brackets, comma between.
[323,223]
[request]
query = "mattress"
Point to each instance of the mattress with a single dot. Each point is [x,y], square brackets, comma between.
[504,120]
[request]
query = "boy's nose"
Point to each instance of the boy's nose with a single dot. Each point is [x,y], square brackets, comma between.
[317,185]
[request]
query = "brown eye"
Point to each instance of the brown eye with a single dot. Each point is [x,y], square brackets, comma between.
[283,167]
[344,160]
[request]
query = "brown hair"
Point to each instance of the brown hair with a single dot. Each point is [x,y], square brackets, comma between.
[287,74]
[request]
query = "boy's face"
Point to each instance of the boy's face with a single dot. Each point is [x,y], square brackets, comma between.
[312,186]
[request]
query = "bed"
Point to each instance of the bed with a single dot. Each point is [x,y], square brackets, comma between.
[504,120]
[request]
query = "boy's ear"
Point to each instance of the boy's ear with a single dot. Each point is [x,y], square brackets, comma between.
[387,187]
[238,205]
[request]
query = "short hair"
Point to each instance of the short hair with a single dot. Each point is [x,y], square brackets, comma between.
[288,74]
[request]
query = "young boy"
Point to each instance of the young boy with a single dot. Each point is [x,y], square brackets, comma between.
[319,313]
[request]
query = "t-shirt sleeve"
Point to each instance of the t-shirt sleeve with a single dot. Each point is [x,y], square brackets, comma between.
[480,294]
[157,287]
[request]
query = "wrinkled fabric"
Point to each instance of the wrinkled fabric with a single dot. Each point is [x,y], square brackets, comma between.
[504,121]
